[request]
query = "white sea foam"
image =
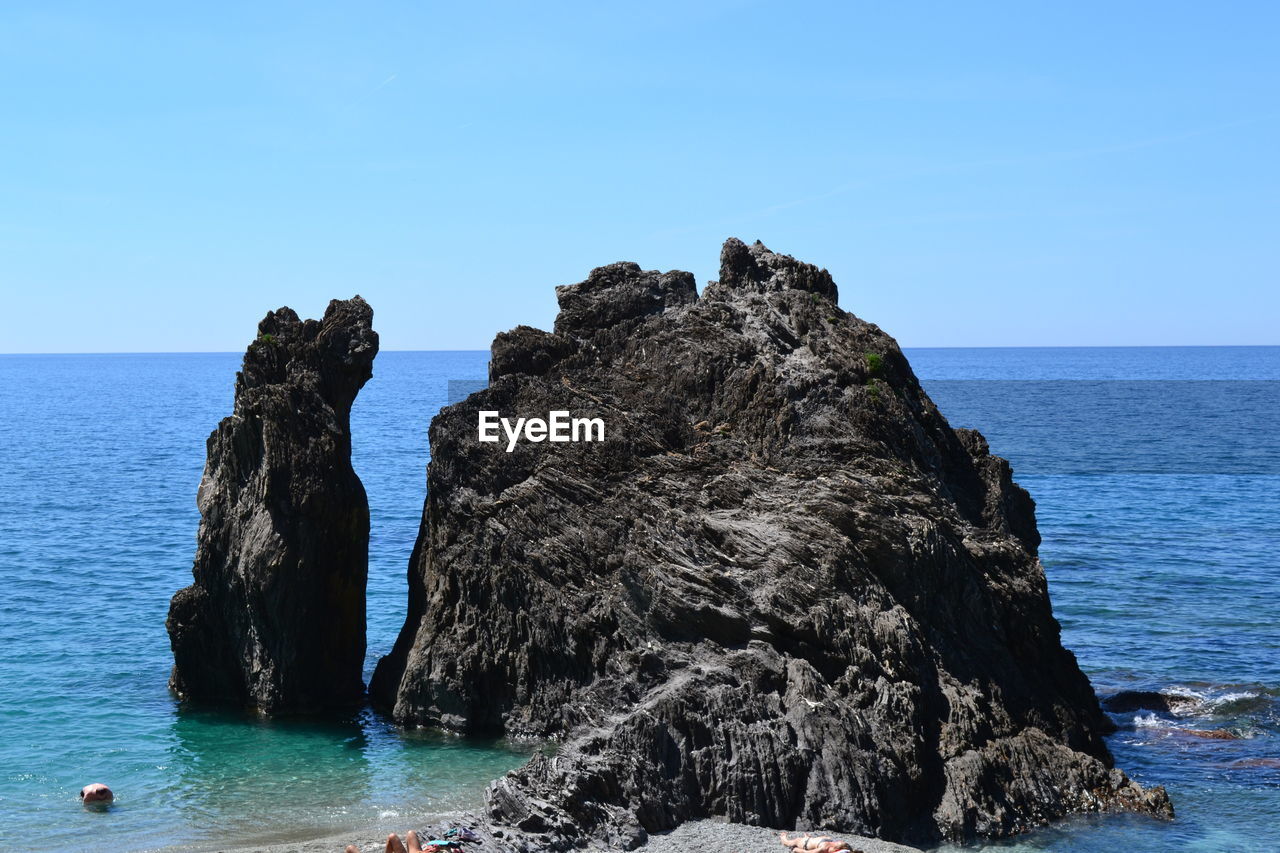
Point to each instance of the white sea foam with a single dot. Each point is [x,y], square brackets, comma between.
[1187,702]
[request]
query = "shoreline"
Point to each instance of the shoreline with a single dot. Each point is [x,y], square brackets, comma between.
[695,835]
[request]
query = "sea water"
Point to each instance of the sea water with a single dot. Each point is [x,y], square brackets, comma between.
[1156,475]
[1157,479]
[100,457]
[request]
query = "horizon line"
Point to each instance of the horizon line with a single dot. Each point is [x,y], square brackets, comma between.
[913,347]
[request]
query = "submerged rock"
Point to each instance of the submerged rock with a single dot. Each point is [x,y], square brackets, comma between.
[276,617]
[782,591]
[1151,700]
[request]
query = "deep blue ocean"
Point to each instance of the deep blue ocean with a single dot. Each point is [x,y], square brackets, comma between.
[1157,478]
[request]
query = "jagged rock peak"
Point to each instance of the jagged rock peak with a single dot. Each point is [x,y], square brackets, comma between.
[619,292]
[275,618]
[783,590]
[335,352]
[754,266]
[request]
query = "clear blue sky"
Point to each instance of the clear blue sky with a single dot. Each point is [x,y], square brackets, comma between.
[972,174]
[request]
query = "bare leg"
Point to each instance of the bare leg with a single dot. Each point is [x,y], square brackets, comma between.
[351,848]
[414,846]
[394,844]
[794,843]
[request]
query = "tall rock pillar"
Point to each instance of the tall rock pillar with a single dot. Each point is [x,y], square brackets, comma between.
[275,619]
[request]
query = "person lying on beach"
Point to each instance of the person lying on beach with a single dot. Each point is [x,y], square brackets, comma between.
[819,844]
[395,845]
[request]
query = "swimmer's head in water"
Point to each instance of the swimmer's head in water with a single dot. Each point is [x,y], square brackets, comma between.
[96,795]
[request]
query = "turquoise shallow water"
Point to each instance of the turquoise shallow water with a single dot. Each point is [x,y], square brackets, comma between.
[1155,472]
[99,460]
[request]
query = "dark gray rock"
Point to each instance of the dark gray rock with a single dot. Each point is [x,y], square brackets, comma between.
[1137,700]
[1151,700]
[275,619]
[619,293]
[526,350]
[782,592]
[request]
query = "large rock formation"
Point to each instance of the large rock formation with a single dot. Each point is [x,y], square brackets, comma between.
[276,617]
[783,590]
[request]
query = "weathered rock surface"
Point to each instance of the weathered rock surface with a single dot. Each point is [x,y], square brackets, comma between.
[276,617]
[783,591]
